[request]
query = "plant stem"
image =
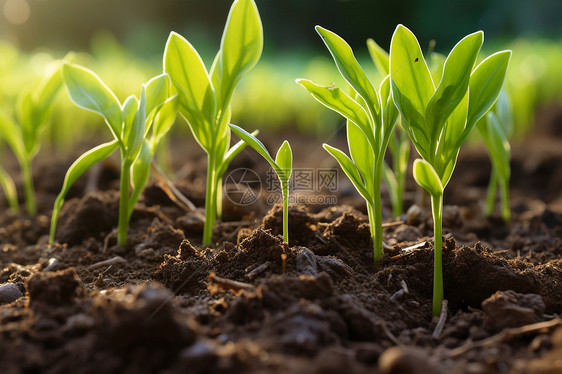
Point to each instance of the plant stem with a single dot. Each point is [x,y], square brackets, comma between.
[285,191]
[210,201]
[29,190]
[123,224]
[491,193]
[218,197]
[437,210]
[504,194]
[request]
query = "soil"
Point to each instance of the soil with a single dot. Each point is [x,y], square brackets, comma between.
[253,304]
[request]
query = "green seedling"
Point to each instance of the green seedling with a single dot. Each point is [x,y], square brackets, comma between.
[23,134]
[399,146]
[495,129]
[439,120]
[282,165]
[204,97]
[371,117]
[133,127]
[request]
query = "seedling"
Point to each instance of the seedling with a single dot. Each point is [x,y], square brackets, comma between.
[24,135]
[130,124]
[282,165]
[439,120]
[399,146]
[371,117]
[495,129]
[204,97]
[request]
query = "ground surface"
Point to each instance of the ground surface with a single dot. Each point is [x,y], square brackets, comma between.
[252,304]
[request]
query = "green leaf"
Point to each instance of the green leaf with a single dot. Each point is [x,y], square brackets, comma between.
[88,91]
[454,83]
[340,102]
[284,159]
[13,136]
[47,93]
[9,188]
[485,84]
[350,170]
[26,115]
[129,110]
[362,154]
[389,114]
[157,92]
[253,142]
[412,85]
[350,69]
[425,176]
[163,121]
[241,46]
[79,167]
[380,57]
[498,145]
[136,136]
[197,100]
[504,113]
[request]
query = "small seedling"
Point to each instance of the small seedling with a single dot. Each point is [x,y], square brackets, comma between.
[130,124]
[282,165]
[204,97]
[439,120]
[371,117]
[495,129]
[24,134]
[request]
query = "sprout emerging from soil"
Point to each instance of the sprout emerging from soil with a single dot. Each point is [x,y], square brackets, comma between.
[130,124]
[371,117]
[204,97]
[439,119]
[24,135]
[282,165]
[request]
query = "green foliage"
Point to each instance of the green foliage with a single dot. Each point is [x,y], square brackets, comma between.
[23,134]
[439,119]
[137,126]
[282,165]
[371,117]
[204,96]
[495,129]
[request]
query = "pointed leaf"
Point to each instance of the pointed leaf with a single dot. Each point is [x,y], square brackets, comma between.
[350,69]
[136,136]
[380,57]
[412,85]
[233,152]
[241,46]
[13,136]
[362,154]
[253,142]
[350,170]
[140,172]
[79,167]
[157,92]
[454,83]
[197,100]
[129,110]
[88,91]
[426,177]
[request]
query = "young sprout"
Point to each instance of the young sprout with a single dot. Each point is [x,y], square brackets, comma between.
[282,165]
[439,120]
[204,97]
[495,129]
[371,117]
[130,124]
[24,134]
[399,146]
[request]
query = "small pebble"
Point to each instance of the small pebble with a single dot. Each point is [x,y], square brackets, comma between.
[9,293]
[52,265]
[414,215]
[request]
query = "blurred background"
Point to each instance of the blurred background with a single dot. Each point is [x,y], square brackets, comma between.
[123,42]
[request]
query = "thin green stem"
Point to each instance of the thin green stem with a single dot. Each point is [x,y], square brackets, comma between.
[491,193]
[29,190]
[504,193]
[437,210]
[210,201]
[218,197]
[285,191]
[124,187]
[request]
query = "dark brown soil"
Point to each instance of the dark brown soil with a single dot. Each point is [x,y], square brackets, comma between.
[253,304]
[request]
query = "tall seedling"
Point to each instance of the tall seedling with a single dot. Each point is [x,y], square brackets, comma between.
[439,120]
[371,117]
[204,97]
[130,124]
[24,134]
